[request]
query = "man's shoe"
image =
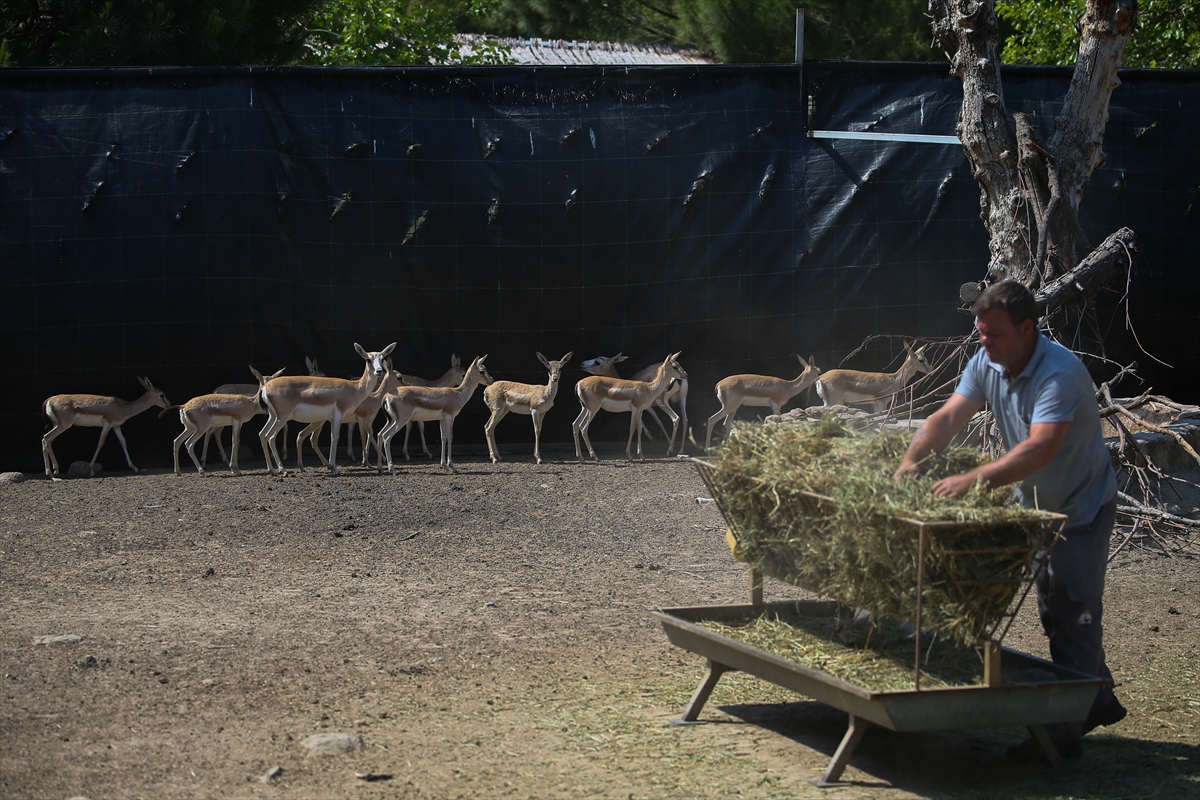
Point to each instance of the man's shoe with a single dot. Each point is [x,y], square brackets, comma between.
[1110,713]
[1029,751]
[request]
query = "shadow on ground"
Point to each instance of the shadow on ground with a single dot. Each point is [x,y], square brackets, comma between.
[973,763]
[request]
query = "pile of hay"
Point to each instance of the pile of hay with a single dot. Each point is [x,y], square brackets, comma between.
[813,504]
[866,652]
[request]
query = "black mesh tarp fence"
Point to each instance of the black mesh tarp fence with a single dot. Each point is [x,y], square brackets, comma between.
[181,224]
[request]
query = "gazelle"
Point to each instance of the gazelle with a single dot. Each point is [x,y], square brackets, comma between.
[503,397]
[758,390]
[442,403]
[363,416]
[452,377]
[247,390]
[311,399]
[851,386]
[597,392]
[94,411]
[606,365]
[209,412]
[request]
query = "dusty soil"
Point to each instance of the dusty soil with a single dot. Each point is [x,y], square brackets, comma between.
[486,634]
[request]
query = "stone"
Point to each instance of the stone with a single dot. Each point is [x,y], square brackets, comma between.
[331,744]
[67,638]
[11,477]
[80,469]
[272,774]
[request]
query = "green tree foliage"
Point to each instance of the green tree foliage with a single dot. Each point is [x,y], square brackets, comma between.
[387,32]
[52,33]
[1046,32]
[732,30]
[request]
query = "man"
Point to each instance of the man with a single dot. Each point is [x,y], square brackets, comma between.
[1045,407]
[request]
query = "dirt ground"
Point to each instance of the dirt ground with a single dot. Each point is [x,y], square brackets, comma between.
[486,634]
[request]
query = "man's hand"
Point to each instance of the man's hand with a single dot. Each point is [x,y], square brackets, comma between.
[956,486]
[907,469]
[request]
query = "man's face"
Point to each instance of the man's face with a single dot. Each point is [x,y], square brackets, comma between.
[1006,344]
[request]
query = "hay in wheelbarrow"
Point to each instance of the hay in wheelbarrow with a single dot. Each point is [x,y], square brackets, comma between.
[813,504]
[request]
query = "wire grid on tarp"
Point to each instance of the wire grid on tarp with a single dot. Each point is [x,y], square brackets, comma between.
[182,224]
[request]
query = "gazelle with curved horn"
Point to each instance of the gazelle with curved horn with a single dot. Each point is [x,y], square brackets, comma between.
[201,415]
[600,392]
[503,397]
[758,390]
[308,399]
[852,386]
[606,365]
[412,403]
[94,411]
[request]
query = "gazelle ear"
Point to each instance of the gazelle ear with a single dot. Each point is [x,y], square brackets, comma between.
[455,362]
[257,375]
[358,348]
[810,361]
[387,349]
[908,346]
[145,382]
[803,363]
[619,357]
[482,359]
[562,362]
[545,361]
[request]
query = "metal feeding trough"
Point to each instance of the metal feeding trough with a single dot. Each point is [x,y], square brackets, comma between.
[1057,695]
[1017,689]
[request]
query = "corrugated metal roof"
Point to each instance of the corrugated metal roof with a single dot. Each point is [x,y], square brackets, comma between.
[558,52]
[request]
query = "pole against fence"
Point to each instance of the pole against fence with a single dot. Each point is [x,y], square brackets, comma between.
[799,35]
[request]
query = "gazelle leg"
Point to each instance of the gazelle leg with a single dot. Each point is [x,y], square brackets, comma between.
[121,438]
[48,450]
[575,428]
[333,442]
[179,440]
[448,441]
[190,444]
[634,416]
[489,431]
[424,447]
[236,441]
[537,436]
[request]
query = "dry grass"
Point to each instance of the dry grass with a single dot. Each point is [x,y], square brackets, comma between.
[813,504]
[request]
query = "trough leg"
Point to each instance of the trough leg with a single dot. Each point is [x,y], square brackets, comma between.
[715,671]
[854,734]
[1039,734]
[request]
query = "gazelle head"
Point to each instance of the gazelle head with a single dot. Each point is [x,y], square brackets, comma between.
[159,398]
[313,369]
[555,367]
[921,364]
[674,370]
[478,372]
[375,360]
[603,365]
[811,371]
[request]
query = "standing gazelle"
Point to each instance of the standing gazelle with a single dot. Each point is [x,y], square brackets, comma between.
[606,365]
[451,378]
[758,390]
[305,398]
[208,412]
[852,386]
[597,392]
[442,403]
[503,397]
[94,411]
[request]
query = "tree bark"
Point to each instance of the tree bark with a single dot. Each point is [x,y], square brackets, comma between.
[1029,192]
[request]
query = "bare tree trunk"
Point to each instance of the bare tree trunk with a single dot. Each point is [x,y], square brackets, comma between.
[1030,192]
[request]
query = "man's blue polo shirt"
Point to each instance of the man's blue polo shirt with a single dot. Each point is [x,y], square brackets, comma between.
[1053,387]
